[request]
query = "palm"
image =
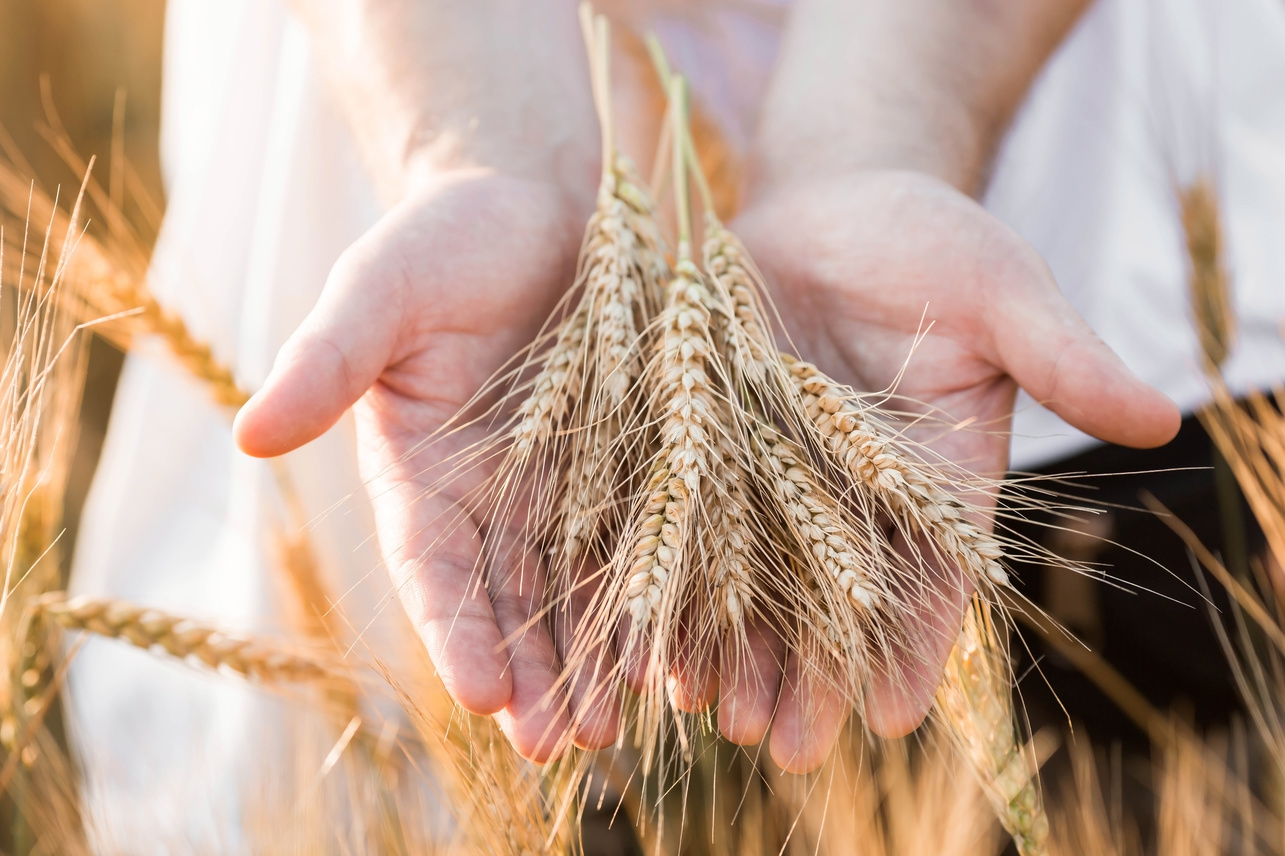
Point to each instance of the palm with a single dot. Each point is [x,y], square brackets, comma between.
[868,269]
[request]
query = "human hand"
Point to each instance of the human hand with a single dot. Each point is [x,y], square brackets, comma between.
[477,120]
[868,266]
[414,319]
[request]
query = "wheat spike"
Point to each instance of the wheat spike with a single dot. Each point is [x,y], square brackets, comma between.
[590,485]
[975,702]
[1208,284]
[615,280]
[150,628]
[621,261]
[867,450]
[687,415]
[751,354]
[731,568]
[828,547]
[195,355]
[559,377]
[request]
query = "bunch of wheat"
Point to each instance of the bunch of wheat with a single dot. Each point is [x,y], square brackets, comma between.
[657,450]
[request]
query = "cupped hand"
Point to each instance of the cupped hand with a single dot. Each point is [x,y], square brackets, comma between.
[414,319]
[866,268]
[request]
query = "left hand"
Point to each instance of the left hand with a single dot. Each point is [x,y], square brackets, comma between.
[863,265]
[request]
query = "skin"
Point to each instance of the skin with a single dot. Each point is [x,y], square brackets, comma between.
[476,120]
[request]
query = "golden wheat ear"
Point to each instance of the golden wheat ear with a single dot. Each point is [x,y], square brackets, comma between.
[975,704]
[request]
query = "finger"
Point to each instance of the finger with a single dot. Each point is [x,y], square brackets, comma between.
[693,679]
[1044,344]
[593,687]
[455,621]
[433,550]
[751,683]
[634,650]
[536,719]
[448,285]
[332,359]
[809,717]
[905,678]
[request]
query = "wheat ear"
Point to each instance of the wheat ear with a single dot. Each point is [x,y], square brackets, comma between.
[151,629]
[687,417]
[731,556]
[828,547]
[622,269]
[867,450]
[1209,290]
[976,704]
[195,355]
[655,558]
[751,354]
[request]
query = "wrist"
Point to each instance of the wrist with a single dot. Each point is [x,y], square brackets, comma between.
[567,161]
[429,86]
[950,149]
[921,85]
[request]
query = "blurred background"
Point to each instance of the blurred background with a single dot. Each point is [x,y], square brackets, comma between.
[76,56]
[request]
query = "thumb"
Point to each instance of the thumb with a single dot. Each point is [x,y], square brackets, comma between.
[337,353]
[1044,344]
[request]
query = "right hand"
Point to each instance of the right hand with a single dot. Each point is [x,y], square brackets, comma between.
[416,316]
[478,120]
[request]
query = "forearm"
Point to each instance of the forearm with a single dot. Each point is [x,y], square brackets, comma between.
[928,85]
[441,85]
